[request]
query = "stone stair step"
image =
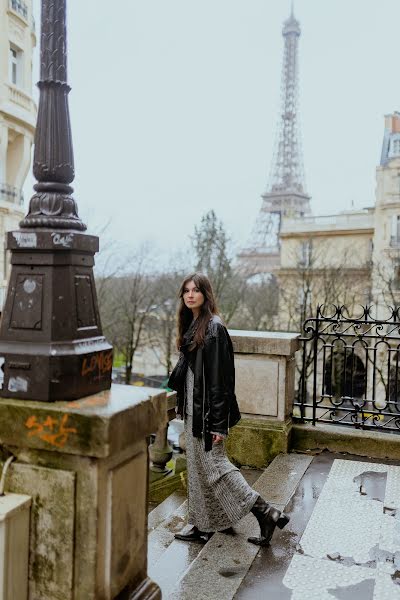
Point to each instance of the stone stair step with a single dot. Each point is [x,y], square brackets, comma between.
[223,562]
[163,510]
[163,535]
[173,563]
[182,554]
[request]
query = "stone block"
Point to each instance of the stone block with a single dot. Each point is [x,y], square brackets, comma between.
[85,464]
[336,438]
[264,342]
[256,442]
[51,528]
[96,426]
[257,384]
[264,364]
[126,543]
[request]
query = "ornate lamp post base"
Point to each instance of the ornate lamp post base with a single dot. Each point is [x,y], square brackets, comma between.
[51,342]
[51,339]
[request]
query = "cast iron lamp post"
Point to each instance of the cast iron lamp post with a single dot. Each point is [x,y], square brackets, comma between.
[51,341]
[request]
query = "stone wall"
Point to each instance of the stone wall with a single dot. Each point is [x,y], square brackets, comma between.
[265,370]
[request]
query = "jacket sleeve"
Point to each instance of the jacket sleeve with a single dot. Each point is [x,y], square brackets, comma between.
[217,357]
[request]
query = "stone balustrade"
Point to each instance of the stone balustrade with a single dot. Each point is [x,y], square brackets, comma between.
[160,451]
[265,377]
[17,96]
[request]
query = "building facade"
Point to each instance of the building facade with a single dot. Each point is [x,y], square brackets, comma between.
[350,258]
[17,114]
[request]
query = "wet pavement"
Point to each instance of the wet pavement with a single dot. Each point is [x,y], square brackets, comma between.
[343,539]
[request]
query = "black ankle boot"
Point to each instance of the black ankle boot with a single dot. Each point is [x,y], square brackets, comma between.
[268,518]
[193,535]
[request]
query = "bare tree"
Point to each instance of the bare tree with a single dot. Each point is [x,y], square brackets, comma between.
[161,325]
[259,305]
[109,262]
[386,275]
[126,305]
[214,258]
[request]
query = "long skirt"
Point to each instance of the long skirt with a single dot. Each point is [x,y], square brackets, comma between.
[218,494]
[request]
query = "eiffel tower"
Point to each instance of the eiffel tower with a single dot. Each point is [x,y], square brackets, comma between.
[286,194]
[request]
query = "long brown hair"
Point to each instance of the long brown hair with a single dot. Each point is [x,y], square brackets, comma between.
[207,310]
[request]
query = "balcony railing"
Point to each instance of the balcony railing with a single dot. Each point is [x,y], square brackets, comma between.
[349,371]
[395,241]
[19,7]
[9,193]
[17,96]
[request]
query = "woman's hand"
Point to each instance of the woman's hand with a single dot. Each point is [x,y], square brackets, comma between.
[217,438]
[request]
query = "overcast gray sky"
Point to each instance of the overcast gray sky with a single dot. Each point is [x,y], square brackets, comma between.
[174,107]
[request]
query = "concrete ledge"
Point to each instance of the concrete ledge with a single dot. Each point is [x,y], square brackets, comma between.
[96,426]
[256,442]
[264,342]
[335,438]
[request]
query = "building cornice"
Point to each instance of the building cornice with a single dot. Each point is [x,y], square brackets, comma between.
[327,233]
[346,271]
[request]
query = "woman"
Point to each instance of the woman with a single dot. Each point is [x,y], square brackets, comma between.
[204,378]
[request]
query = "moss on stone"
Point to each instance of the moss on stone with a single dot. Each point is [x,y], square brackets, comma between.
[336,438]
[161,489]
[256,442]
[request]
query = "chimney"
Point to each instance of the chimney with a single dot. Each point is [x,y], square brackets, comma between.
[392,122]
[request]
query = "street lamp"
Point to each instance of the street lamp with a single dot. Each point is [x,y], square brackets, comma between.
[51,341]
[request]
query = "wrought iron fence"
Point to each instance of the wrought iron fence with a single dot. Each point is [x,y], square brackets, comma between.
[349,371]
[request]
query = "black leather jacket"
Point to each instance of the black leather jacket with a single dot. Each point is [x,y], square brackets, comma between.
[215,408]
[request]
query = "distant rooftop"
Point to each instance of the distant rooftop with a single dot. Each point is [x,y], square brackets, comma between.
[346,220]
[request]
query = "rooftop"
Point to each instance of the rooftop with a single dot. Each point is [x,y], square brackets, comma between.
[347,220]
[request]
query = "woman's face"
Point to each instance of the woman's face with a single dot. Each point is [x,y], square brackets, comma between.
[192,297]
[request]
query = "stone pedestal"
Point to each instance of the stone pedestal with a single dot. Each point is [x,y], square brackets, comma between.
[51,341]
[265,373]
[85,465]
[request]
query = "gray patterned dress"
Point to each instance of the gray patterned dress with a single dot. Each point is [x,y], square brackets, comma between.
[218,494]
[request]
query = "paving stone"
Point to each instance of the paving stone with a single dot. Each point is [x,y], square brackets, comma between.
[163,510]
[163,535]
[349,527]
[315,579]
[279,481]
[173,563]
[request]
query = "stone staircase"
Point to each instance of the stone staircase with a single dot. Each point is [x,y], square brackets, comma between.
[216,570]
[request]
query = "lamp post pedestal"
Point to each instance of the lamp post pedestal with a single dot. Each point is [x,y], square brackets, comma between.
[51,339]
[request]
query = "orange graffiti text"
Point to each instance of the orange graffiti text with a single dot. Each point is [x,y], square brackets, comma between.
[51,430]
[88,402]
[101,362]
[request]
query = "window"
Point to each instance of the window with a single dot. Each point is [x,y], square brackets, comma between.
[395,231]
[396,277]
[394,146]
[16,70]
[20,7]
[306,253]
